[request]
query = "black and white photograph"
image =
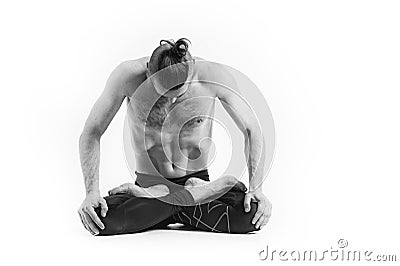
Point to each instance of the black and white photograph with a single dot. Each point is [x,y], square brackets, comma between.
[200,132]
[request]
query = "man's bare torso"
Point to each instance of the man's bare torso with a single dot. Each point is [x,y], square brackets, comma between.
[171,137]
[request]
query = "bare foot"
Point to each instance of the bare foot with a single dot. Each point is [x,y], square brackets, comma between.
[155,191]
[149,192]
[205,191]
[195,181]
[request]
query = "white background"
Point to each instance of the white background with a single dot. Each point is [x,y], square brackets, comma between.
[328,69]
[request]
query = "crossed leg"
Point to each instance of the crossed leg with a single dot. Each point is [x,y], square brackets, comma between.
[224,214]
[130,213]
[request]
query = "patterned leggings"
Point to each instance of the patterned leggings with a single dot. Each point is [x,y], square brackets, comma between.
[131,214]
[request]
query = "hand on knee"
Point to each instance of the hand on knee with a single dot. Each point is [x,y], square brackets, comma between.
[243,223]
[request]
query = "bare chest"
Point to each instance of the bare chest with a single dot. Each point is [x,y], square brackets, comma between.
[165,122]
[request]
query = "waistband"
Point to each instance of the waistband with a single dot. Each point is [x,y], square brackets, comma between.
[146,180]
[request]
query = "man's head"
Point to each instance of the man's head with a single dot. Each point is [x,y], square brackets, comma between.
[170,66]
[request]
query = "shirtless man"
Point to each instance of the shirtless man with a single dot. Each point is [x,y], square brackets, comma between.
[170,120]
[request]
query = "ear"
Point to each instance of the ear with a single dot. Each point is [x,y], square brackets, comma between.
[147,70]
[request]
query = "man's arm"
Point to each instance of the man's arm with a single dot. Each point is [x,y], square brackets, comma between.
[102,113]
[254,143]
[247,122]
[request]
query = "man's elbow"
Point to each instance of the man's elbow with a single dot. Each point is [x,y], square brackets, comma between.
[252,132]
[89,135]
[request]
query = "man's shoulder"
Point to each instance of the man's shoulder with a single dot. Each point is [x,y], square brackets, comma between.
[133,67]
[131,73]
[209,69]
[214,72]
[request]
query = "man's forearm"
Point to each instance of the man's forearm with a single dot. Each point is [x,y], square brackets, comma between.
[89,150]
[255,153]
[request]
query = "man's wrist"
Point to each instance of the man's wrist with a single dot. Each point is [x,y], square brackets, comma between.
[255,188]
[93,192]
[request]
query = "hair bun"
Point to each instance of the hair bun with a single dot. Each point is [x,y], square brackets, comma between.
[181,47]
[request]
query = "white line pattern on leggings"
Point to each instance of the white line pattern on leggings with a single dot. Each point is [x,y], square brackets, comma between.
[190,220]
[212,228]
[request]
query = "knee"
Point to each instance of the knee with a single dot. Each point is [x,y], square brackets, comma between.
[113,222]
[243,224]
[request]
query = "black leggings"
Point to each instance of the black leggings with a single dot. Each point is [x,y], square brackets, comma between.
[131,214]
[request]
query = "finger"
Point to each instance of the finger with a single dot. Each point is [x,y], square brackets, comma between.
[260,221]
[267,216]
[104,208]
[90,223]
[260,211]
[264,222]
[269,213]
[115,190]
[94,217]
[257,215]
[247,200]
[85,221]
